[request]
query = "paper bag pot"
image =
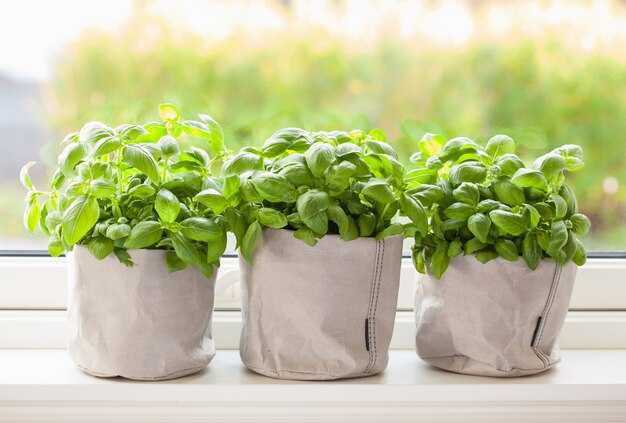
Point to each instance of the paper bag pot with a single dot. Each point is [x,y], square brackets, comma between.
[138,322]
[494,319]
[319,313]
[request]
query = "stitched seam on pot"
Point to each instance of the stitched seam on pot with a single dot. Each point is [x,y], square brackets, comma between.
[377,296]
[553,288]
[495,368]
[373,305]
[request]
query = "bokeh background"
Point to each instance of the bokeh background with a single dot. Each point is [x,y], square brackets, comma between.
[545,72]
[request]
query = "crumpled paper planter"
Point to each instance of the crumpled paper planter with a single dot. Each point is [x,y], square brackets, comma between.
[319,313]
[494,319]
[138,322]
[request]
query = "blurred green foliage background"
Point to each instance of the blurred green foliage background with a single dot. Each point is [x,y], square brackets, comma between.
[539,90]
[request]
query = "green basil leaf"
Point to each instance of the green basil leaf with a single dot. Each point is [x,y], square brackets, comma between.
[196,129]
[391,230]
[32,214]
[250,240]
[366,223]
[580,256]
[93,132]
[378,190]
[271,218]
[510,223]
[167,206]
[298,174]
[169,112]
[79,218]
[123,256]
[138,157]
[249,192]
[473,245]
[312,207]
[467,172]
[319,157]
[102,188]
[337,177]
[569,249]
[438,263]
[414,210]
[457,146]
[185,249]
[379,147]
[531,252]
[558,238]
[550,164]
[144,234]
[499,145]
[73,154]
[455,248]
[530,178]
[117,231]
[106,145]
[560,205]
[570,199]
[347,149]
[217,134]
[174,263]
[580,224]
[101,247]
[509,164]
[431,144]
[506,249]
[231,186]
[487,255]
[201,229]
[479,226]
[55,246]
[459,211]
[532,215]
[417,177]
[25,177]
[307,235]
[274,188]
[142,191]
[508,193]
[467,193]
[427,194]
[169,146]
[213,200]
[216,248]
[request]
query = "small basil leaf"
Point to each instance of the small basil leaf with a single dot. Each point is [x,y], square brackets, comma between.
[510,223]
[144,234]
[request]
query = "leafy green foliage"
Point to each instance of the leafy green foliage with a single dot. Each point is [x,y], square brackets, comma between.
[133,187]
[318,183]
[489,204]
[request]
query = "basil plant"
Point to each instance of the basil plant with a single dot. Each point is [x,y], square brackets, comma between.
[318,183]
[133,187]
[485,201]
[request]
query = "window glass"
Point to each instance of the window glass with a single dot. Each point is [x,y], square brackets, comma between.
[545,72]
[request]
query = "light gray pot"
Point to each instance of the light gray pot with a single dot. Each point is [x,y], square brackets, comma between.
[138,322]
[319,313]
[494,319]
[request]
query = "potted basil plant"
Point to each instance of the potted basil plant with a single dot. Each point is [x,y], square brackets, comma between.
[500,255]
[144,251]
[314,217]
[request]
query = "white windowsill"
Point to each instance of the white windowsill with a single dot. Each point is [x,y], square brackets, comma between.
[44,385]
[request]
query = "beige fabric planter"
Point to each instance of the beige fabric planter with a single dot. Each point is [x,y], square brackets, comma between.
[494,319]
[138,322]
[319,313]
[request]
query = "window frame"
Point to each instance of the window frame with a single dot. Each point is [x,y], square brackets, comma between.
[33,298]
